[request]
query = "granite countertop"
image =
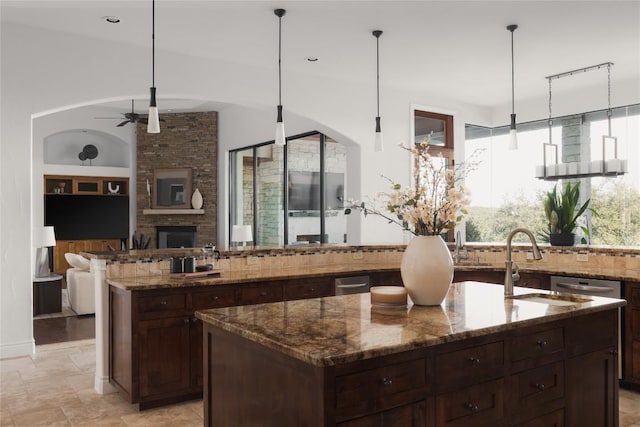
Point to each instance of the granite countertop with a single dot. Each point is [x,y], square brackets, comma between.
[340,329]
[248,276]
[244,276]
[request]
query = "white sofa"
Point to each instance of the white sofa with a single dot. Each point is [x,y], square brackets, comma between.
[80,286]
[81,291]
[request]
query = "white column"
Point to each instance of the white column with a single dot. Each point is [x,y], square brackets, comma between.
[99,268]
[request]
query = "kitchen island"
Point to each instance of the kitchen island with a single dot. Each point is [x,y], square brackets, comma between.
[478,359]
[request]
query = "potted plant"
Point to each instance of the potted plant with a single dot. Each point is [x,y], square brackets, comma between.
[561,210]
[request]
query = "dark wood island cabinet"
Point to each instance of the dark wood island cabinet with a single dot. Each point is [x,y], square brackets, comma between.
[477,360]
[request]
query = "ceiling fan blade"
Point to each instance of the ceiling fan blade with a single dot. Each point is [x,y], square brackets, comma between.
[123,123]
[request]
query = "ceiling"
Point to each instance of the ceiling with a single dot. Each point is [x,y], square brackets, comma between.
[459,49]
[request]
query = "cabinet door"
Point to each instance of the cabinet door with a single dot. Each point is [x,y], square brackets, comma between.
[164,363]
[413,415]
[631,373]
[592,385]
[196,332]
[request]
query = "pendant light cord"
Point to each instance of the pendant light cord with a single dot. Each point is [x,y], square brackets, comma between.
[279,60]
[609,96]
[378,75]
[550,120]
[153,43]
[513,103]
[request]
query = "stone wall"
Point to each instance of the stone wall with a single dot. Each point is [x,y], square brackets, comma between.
[186,140]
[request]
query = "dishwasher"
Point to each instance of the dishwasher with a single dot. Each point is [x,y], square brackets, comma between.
[593,287]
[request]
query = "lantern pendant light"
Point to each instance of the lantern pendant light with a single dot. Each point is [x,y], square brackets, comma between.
[513,136]
[153,122]
[280,135]
[378,143]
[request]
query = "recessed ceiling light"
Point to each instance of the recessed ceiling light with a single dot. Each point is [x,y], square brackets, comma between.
[111,19]
[312,58]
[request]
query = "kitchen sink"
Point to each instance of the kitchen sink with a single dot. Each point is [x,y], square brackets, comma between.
[553,299]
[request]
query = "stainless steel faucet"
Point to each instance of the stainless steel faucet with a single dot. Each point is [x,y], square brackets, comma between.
[508,274]
[459,245]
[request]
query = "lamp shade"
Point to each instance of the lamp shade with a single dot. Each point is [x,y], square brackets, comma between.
[44,237]
[241,233]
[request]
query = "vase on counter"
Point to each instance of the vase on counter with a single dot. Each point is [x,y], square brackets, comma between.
[427,270]
[562,239]
[196,199]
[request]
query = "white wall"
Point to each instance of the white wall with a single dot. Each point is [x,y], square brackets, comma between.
[43,72]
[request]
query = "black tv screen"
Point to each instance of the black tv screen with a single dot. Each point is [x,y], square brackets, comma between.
[87,216]
[304,190]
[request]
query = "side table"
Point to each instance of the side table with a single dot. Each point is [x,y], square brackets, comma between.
[47,294]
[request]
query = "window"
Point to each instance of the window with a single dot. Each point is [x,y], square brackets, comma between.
[506,194]
[307,206]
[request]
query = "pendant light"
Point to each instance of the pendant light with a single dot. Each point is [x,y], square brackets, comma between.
[153,122]
[378,143]
[280,136]
[513,136]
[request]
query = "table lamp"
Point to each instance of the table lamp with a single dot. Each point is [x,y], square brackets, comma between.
[241,233]
[43,239]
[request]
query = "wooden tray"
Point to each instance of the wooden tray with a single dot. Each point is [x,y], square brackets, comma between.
[210,273]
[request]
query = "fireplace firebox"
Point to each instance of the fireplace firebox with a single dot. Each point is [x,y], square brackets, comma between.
[176,236]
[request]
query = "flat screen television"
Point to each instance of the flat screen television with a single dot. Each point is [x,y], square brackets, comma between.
[87,216]
[304,190]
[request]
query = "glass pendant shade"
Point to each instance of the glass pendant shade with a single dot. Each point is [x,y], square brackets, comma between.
[513,134]
[153,122]
[280,135]
[378,144]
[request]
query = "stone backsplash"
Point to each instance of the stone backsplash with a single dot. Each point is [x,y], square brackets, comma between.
[625,261]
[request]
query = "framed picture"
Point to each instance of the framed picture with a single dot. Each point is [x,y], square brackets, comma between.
[172,188]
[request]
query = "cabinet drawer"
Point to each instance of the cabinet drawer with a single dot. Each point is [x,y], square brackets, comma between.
[213,299]
[478,405]
[414,415]
[555,419]
[537,344]
[469,365]
[537,386]
[307,290]
[162,304]
[380,388]
[260,294]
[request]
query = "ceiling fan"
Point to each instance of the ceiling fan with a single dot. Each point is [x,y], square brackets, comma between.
[131,117]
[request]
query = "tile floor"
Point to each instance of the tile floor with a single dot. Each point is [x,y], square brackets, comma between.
[55,388]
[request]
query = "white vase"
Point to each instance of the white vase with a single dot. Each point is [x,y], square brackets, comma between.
[427,270]
[196,199]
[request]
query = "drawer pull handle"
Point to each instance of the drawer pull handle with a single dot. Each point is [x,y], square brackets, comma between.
[163,302]
[194,319]
[312,289]
[613,352]
[540,386]
[472,407]
[474,360]
[541,343]
[215,297]
[185,320]
[386,381]
[263,294]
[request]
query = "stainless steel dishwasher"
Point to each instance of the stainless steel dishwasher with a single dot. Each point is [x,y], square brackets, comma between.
[352,285]
[593,287]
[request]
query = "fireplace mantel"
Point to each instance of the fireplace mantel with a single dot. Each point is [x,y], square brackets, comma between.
[173,212]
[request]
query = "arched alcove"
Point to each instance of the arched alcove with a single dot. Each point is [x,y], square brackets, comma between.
[63,148]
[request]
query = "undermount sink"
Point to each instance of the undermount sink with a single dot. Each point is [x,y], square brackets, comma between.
[555,299]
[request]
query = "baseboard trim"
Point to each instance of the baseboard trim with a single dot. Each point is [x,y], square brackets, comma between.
[18,349]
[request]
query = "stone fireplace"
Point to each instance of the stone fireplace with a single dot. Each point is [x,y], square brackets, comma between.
[176,236]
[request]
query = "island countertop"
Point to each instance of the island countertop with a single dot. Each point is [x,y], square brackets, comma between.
[341,329]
